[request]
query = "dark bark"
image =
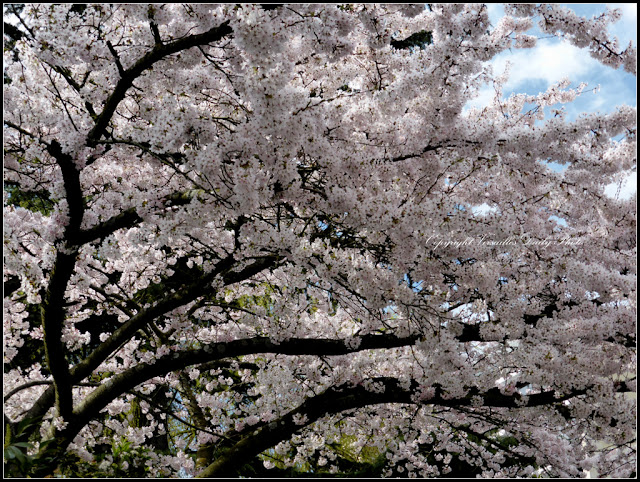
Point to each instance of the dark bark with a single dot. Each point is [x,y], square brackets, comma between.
[339,399]
[126,219]
[52,307]
[159,52]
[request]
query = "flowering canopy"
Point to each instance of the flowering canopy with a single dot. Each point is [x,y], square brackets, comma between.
[248,233]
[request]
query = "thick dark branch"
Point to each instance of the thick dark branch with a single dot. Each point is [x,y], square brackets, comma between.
[159,52]
[156,33]
[71,178]
[419,39]
[24,387]
[13,32]
[52,307]
[116,57]
[417,154]
[472,332]
[294,346]
[35,384]
[53,314]
[133,377]
[41,405]
[128,219]
[25,132]
[197,288]
[345,397]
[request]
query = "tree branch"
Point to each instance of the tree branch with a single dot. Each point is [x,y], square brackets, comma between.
[128,219]
[24,387]
[338,399]
[13,32]
[159,52]
[52,308]
[192,291]
[127,380]
[25,132]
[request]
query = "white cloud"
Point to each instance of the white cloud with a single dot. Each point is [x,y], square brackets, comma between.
[533,70]
[623,190]
[549,61]
[629,11]
[483,99]
[483,209]
[626,28]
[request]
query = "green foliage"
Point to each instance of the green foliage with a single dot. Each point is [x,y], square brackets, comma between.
[121,459]
[36,201]
[370,462]
[18,461]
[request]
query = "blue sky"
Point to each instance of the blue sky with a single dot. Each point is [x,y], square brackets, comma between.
[534,70]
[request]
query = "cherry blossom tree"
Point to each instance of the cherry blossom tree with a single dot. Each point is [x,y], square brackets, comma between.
[245,237]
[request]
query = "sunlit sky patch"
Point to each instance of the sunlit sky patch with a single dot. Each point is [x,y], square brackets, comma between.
[534,70]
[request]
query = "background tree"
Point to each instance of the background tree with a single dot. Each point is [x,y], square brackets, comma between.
[228,246]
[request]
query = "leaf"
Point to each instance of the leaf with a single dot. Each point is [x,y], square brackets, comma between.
[22,444]
[10,452]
